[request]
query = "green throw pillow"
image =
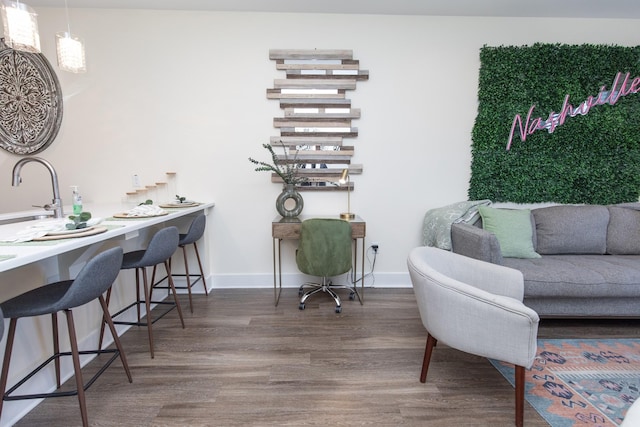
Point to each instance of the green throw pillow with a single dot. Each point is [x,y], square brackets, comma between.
[512,228]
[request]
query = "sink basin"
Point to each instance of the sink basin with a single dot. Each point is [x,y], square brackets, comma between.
[11,219]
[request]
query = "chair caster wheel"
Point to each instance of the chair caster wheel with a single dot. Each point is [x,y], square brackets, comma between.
[301,306]
[339,309]
[352,296]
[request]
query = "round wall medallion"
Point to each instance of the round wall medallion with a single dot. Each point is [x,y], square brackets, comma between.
[30,101]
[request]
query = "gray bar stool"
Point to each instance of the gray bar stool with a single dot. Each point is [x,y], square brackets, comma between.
[195,232]
[160,249]
[93,280]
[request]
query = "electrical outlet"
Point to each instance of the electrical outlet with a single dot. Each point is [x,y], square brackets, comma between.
[135,181]
[375,246]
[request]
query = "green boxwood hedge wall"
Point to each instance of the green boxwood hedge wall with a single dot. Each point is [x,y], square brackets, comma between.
[592,158]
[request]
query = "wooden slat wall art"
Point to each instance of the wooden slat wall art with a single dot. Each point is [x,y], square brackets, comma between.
[317,114]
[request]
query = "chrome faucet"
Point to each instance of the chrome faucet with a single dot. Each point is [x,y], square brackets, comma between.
[56,206]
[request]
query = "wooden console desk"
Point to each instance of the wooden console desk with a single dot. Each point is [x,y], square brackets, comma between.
[289,229]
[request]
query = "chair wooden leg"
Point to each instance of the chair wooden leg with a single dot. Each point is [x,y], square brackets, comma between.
[103,322]
[204,283]
[175,293]
[186,270]
[7,358]
[153,279]
[147,303]
[431,342]
[519,396]
[153,276]
[56,347]
[114,333]
[77,368]
[144,274]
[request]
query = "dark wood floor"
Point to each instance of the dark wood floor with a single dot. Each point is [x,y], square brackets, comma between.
[243,362]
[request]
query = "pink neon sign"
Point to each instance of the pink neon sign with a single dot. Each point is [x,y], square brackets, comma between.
[619,88]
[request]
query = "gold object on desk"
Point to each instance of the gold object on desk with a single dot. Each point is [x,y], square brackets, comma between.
[289,229]
[344,179]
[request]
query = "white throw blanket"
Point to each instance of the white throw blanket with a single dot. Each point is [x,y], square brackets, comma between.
[145,210]
[437,222]
[42,228]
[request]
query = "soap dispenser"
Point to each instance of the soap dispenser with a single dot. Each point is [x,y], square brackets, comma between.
[77,201]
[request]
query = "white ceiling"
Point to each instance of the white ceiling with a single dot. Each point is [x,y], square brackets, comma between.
[621,9]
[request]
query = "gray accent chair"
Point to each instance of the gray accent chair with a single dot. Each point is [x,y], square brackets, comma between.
[93,280]
[325,251]
[475,307]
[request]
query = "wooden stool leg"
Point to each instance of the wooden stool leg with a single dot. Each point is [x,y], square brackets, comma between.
[175,293]
[7,358]
[77,369]
[116,339]
[103,322]
[147,303]
[144,273]
[153,279]
[204,283]
[186,270]
[56,347]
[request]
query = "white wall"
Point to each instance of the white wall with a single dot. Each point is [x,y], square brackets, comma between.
[186,91]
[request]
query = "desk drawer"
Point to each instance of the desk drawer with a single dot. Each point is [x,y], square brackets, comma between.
[285,230]
[358,229]
[291,230]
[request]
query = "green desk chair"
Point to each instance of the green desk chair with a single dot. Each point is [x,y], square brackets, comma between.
[325,251]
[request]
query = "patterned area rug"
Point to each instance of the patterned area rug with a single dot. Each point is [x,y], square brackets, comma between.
[582,382]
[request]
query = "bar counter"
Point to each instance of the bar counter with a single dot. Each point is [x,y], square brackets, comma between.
[14,255]
[30,264]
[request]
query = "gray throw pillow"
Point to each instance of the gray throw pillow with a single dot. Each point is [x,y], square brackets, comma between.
[623,234]
[571,229]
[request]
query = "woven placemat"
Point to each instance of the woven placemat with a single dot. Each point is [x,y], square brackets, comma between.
[129,218]
[51,242]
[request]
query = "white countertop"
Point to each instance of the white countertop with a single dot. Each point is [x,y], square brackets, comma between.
[25,253]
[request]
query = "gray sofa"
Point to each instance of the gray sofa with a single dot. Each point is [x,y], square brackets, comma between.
[585,260]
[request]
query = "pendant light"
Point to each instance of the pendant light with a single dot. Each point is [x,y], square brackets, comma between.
[70,49]
[20,26]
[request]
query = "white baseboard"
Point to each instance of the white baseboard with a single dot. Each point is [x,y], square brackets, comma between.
[293,280]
